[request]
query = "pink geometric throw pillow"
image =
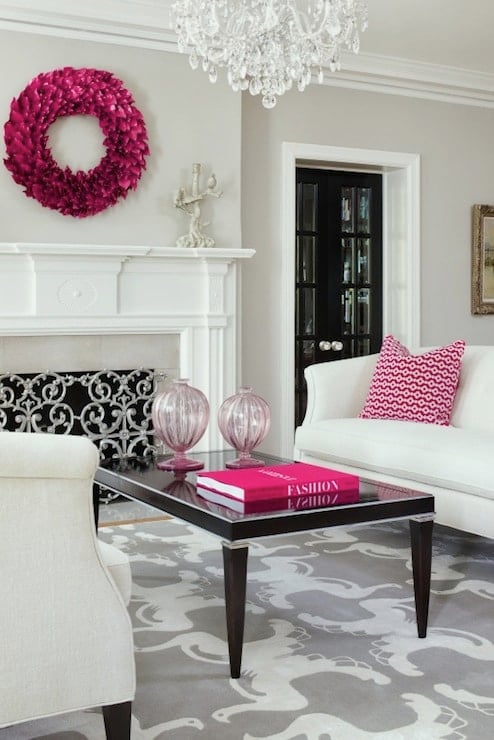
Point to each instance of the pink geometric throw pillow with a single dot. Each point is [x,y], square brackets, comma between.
[414,387]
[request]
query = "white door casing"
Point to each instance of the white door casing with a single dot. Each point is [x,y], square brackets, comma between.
[401,249]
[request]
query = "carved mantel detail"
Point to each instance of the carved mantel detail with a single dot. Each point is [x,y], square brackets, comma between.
[57,289]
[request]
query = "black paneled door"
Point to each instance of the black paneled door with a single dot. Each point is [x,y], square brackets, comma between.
[338,269]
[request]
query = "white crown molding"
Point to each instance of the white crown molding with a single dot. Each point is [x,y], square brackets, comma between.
[142,23]
[147,24]
[412,78]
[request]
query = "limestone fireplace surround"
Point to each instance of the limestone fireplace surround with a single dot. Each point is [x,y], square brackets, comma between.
[178,307]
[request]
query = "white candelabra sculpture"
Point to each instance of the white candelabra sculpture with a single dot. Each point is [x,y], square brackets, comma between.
[191,204]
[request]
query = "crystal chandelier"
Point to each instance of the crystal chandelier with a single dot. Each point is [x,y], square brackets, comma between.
[267,45]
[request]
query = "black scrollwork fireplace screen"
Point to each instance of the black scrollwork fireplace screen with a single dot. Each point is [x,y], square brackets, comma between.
[111,407]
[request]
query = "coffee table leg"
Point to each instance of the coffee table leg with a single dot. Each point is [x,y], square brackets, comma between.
[421,541]
[235,573]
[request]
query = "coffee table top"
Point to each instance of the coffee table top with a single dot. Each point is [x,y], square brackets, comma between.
[140,479]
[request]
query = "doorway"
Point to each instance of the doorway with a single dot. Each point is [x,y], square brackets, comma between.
[401,251]
[338,269]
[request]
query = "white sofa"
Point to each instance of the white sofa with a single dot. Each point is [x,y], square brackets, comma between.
[455,463]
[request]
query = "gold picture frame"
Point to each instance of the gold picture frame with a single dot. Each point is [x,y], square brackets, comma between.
[483,260]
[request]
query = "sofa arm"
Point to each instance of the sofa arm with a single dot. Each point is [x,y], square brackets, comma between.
[338,389]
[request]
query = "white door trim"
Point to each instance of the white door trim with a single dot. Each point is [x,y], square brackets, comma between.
[401,250]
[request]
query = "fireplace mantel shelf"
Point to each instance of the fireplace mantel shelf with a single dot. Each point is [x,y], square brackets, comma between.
[91,289]
[123,250]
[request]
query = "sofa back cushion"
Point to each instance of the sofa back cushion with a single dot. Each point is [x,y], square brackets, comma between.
[410,387]
[474,402]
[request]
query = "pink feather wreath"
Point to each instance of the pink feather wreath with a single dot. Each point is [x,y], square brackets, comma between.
[68,92]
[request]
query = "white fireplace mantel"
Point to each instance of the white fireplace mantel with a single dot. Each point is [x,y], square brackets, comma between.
[80,289]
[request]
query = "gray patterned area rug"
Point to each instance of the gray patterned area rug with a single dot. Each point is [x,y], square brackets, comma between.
[331,650]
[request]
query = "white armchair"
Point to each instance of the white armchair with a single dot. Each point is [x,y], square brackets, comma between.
[65,634]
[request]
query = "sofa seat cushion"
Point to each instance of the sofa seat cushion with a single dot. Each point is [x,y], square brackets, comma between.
[447,457]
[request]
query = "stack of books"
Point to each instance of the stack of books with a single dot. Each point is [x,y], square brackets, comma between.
[292,486]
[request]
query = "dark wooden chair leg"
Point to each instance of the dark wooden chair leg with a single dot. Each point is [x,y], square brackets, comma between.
[117,720]
[96,490]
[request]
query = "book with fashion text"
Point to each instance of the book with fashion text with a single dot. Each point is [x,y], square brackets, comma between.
[292,503]
[277,481]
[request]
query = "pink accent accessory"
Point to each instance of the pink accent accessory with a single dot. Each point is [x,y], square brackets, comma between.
[180,416]
[414,387]
[244,420]
[72,92]
[279,481]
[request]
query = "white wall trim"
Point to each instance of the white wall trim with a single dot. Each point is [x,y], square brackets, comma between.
[401,250]
[147,24]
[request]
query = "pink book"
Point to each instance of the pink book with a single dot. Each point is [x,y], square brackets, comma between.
[277,481]
[291,503]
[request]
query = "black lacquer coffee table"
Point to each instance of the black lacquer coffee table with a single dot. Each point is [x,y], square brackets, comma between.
[141,480]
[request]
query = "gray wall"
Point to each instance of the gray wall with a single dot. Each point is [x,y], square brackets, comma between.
[457,162]
[188,120]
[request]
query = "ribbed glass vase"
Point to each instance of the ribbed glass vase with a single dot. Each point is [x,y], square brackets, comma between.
[180,416]
[244,420]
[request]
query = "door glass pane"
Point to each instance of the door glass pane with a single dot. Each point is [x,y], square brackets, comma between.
[348,210]
[347,304]
[298,368]
[305,356]
[297,311]
[309,200]
[305,311]
[347,260]
[298,275]
[308,259]
[308,357]
[363,260]
[308,311]
[363,210]
[347,350]
[363,312]
[361,347]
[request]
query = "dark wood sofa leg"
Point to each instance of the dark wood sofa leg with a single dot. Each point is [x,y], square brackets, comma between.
[117,720]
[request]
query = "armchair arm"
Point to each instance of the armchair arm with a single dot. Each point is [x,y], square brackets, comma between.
[337,389]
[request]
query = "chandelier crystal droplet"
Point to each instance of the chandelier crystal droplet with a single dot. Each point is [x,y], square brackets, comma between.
[268,45]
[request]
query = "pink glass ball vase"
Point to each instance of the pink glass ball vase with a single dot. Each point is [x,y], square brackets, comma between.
[180,415]
[244,420]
